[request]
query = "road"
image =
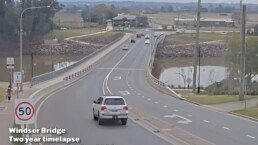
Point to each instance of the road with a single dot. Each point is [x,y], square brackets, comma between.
[122,73]
[71,109]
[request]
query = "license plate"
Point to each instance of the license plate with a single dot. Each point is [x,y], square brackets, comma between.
[114,110]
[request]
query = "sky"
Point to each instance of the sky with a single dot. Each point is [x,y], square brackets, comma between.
[182,1]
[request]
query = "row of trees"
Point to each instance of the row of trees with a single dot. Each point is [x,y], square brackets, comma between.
[36,22]
[233,58]
[100,13]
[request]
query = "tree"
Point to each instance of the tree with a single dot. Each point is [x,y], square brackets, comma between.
[232,58]
[170,8]
[38,21]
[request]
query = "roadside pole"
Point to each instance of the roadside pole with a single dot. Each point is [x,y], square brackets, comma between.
[197,47]
[243,51]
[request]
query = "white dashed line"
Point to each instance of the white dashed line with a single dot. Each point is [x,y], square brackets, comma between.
[156,102]
[176,110]
[143,96]
[226,128]
[165,106]
[149,99]
[252,137]
[189,115]
[206,121]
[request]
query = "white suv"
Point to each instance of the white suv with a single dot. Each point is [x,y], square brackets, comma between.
[110,107]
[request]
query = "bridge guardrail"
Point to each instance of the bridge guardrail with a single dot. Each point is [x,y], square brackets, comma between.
[48,76]
[153,81]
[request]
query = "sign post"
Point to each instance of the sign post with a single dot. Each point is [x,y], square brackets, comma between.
[17,77]
[10,65]
[24,111]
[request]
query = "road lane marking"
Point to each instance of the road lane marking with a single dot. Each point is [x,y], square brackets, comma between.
[149,99]
[143,96]
[156,102]
[252,137]
[124,93]
[226,128]
[165,106]
[112,69]
[189,115]
[116,78]
[206,121]
[176,110]
[182,121]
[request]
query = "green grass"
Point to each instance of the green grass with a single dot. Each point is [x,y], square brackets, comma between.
[252,112]
[70,33]
[217,99]
[203,36]
[2,94]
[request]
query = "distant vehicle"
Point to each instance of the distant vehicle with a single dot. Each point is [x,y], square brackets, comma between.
[125,47]
[180,30]
[147,37]
[132,41]
[138,35]
[142,34]
[147,41]
[110,108]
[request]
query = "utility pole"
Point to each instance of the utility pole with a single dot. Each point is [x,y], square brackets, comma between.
[32,66]
[243,51]
[197,47]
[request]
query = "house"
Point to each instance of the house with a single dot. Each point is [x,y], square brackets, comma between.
[205,22]
[124,20]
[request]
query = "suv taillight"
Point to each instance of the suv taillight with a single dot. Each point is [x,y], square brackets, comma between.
[103,108]
[125,107]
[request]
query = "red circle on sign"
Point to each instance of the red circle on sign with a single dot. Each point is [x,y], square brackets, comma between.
[26,119]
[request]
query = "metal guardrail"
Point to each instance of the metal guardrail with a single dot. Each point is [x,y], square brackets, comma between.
[48,76]
[149,67]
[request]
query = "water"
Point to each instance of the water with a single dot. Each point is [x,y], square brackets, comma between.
[42,64]
[183,76]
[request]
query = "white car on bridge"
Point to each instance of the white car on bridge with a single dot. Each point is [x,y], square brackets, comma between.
[110,108]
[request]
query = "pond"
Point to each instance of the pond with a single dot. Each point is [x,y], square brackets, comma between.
[41,64]
[178,72]
[183,76]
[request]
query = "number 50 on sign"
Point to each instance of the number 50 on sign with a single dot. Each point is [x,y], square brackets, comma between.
[24,111]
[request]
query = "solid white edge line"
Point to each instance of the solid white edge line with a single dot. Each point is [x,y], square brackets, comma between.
[107,77]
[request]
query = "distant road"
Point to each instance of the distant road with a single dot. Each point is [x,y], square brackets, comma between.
[122,73]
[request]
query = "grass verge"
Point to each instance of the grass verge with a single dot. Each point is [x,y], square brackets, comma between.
[2,94]
[217,99]
[70,33]
[251,112]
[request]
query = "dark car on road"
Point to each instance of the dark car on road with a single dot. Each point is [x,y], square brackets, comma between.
[132,41]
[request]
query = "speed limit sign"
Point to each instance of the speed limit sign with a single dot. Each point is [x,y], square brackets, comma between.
[24,111]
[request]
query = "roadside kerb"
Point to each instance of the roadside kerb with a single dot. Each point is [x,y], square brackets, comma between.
[48,76]
[164,130]
[244,116]
[40,95]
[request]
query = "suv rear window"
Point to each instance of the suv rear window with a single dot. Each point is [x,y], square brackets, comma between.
[114,101]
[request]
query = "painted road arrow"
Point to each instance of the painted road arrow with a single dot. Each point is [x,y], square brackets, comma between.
[182,121]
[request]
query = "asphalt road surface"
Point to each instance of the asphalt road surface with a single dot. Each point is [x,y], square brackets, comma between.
[122,73]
